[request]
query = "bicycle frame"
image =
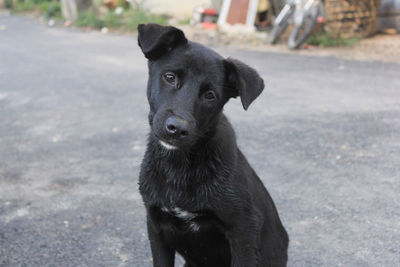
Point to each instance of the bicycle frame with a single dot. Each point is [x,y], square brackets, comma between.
[301,10]
[285,12]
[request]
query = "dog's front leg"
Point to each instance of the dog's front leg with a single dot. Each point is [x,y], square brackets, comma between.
[243,246]
[163,256]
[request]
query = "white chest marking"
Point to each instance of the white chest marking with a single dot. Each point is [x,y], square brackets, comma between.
[194,226]
[185,216]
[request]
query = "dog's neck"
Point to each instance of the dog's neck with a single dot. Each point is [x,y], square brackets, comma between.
[179,178]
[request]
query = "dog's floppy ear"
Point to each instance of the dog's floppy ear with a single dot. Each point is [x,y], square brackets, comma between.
[242,81]
[156,40]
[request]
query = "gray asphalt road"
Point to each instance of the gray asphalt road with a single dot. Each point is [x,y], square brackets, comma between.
[324,137]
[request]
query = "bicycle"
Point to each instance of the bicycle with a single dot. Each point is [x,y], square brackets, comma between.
[304,14]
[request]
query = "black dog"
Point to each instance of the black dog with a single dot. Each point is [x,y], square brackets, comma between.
[203,199]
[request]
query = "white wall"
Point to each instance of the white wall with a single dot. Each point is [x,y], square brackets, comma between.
[176,8]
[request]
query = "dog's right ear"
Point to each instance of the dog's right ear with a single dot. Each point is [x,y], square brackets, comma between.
[242,81]
[156,40]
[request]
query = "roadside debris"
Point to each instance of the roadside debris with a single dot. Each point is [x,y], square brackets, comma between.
[207,17]
[104,30]
[51,22]
[389,16]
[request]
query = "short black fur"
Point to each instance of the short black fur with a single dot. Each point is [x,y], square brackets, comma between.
[203,199]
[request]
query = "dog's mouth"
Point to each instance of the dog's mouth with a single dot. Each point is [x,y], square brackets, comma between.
[165,144]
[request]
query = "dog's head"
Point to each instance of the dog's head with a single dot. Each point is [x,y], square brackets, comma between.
[189,84]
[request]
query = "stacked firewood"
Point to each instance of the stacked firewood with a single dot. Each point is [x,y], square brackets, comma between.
[351,18]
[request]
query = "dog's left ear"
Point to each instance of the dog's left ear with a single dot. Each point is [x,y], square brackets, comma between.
[156,40]
[242,81]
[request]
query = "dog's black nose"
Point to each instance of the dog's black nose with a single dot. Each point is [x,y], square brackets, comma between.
[176,127]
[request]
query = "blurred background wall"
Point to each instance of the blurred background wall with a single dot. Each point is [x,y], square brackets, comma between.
[177,8]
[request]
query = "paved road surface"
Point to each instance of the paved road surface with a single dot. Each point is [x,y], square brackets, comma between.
[324,137]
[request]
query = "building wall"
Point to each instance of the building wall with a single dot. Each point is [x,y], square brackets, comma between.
[178,8]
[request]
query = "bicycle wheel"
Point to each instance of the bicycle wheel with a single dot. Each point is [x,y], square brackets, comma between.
[276,31]
[280,25]
[301,32]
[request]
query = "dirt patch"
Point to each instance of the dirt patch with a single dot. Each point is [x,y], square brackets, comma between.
[380,47]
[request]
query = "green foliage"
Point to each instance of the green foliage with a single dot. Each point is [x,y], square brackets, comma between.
[22,6]
[9,3]
[113,20]
[49,8]
[137,16]
[128,20]
[124,4]
[185,21]
[41,1]
[89,19]
[324,39]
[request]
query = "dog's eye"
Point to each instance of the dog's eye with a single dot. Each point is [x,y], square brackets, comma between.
[170,78]
[209,95]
